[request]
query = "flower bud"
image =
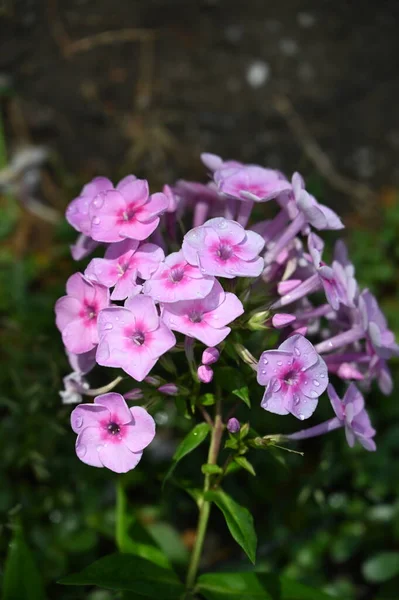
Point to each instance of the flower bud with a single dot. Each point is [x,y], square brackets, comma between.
[245,355]
[170,389]
[205,374]
[285,287]
[151,380]
[210,356]
[233,425]
[134,394]
[257,321]
[281,320]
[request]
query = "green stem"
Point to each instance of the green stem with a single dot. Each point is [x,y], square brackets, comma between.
[205,506]
[120,514]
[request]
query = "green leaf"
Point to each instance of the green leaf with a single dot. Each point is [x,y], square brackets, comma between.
[207,399]
[130,573]
[21,576]
[223,586]
[211,469]
[381,567]
[239,521]
[254,586]
[243,394]
[192,440]
[245,464]
[169,540]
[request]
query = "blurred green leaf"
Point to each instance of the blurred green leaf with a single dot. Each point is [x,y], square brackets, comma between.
[192,440]
[208,469]
[130,573]
[381,567]
[245,464]
[239,521]
[22,579]
[243,394]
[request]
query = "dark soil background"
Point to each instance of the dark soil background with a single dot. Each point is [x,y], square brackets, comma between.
[204,75]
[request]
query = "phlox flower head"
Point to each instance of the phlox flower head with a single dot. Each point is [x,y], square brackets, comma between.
[123,262]
[294,375]
[224,248]
[250,182]
[375,324]
[318,215]
[77,313]
[351,413]
[77,213]
[110,434]
[176,279]
[126,212]
[133,337]
[207,319]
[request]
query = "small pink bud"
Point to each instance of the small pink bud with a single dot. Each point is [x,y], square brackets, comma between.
[134,394]
[205,374]
[233,425]
[151,380]
[281,320]
[170,389]
[349,371]
[284,287]
[300,330]
[210,356]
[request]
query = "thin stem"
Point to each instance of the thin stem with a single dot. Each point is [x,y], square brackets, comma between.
[120,514]
[205,506]
[105,388]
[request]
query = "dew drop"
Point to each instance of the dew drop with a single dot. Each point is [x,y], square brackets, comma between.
[99,447]
[265,361]
[279,362]
[264,372]
[296,399]
[108,326]
[78,422]
[98,201]
[301,416]
[195,433]
[316,383]
[322,376]
[81,450]
[297,351]
[96,220]
[116,318]
[313,394]
[222,224]
[331,345]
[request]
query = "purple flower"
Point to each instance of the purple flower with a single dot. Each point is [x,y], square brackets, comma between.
[225,249]
[233,425]
[204,319]
[210,356]
[133,338]
[375,324]
[316,214]
[352,415]
[169,389]
[83,247]
[126,212]
[250,182]
[177,280]
[122,264]
[205,374]
[75,385]
[110,434]
[77,213]
[77,313]
[294,375]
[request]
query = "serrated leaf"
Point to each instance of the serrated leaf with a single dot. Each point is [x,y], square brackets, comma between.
[239,521]
[243,394]
[381,567]
[21,577]
[192,440]
[126,572]
[245,464]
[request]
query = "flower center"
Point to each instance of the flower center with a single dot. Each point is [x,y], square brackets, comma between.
[113,428]
[91,312]
[138,338]
[291,377]
[176,274]
[122,268]
[224,251]
[129,213]
[196,317]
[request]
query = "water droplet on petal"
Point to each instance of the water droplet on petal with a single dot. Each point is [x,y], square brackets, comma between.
[96,220]
[276,386]
[296,399]
[81,450]
[99,447]
[331,345]
[322,376]
[98,201]
[108,326]
[316,383]
[78,422]
[222,224]
[265,361]
[313,394]
[301,416]
[297,351]
[279,362]
[264,372]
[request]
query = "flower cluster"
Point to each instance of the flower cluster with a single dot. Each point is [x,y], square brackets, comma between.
[158,279]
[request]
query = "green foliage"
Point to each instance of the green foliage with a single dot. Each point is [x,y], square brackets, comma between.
[238,520]
[381,567]
[131,573]
[192,440]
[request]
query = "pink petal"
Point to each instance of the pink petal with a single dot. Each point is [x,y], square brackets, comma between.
[135,191]
[302,407]
[336,402]
[147,259]
[86,446]
[102,271]
[225,228]
[226,312]
[316,380]
[137,230]
[157,204]
[118,457]
[79,287]
[126,180]
[116,405]
[105,211]
[161,340]
[139,433]
[126,287]
[144,309]
[270,363]
[301,349]
[88,415]
[273,402]
[80,337]
[83,246]
[250,247]
[67,309]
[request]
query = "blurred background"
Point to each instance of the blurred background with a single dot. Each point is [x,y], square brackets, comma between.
[107,88]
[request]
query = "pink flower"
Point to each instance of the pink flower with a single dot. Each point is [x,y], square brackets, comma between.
[77,213]
[250,182]
[177,280]
[210,356]
[223,248]
[122,264]
[133,338]
[126,212]
[77,313]
[205,373]
[353,416]
[204,319]
[110,434]
[295,376]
